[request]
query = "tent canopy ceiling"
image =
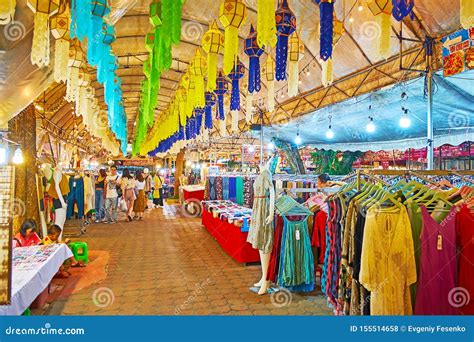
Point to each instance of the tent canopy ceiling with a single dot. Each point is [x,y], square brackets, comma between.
[21,83]
[453,118]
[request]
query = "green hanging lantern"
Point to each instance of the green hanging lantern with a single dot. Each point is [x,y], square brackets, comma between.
[155,13]
[150,41]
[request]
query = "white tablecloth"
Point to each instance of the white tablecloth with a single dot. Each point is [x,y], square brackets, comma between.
[32,270]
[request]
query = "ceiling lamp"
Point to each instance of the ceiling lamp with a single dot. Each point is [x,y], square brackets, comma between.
[298,138]
[405,120]
[18,156]
[329,132]
[370,128]
[271,145]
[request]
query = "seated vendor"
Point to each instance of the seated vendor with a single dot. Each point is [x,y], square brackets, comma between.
[324,181]
[27,236]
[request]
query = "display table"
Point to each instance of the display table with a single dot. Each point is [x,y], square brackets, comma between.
[230,237]
[32,270]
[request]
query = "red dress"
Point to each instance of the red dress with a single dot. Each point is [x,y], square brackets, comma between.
[22,241]
[318,238]
[465,242]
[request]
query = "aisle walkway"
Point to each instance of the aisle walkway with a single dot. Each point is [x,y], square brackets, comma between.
[167,265]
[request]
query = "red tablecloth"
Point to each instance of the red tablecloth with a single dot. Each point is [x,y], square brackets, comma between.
[231,239]
[196,194]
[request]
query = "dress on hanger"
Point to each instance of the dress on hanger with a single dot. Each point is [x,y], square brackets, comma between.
[465,234]
[261,233]
[437,265]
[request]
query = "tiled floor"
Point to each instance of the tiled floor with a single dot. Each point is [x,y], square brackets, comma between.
[168,265]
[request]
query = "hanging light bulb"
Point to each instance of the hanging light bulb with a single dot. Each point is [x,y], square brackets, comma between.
[370,128]
[360,8]
[351,19]
[297,138]
[405,121]
[308,72]
[329,133]
[251,149]
[270,146]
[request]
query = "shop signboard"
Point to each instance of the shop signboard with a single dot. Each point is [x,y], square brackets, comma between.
[458,52]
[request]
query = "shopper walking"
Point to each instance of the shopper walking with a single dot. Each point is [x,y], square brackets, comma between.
[100,196]
[128,187]
[140,203]
[112,186]
[158,190]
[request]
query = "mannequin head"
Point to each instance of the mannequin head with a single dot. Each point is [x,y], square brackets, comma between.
[47,170]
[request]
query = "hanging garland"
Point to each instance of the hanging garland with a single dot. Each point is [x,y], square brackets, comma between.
[236,74]
[286,25]
[326,34]
[221,90]
[266,23]
[232,16]
[254,52]
[213,45]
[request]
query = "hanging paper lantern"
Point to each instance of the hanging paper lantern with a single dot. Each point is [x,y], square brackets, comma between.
[221,90]
[382,10]
[266,23]
[326,37]
[212,44]
[155,13]
[286,25]
[60,30]
[198,69]
[254,52]
[296,53]
[7,11]
[338,30]
[235,121]
[236,74]
[43,9]
[223,127]
[210,102]
[232,16]
[75,61]
[269,74]
[467,14]
[403,8]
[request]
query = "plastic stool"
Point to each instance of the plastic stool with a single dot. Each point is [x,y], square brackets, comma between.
[80,251]
[27,312]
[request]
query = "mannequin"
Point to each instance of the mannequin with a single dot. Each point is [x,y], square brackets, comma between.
[261,226]
[57,186]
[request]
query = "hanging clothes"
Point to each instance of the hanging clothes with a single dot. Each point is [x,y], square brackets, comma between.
[387,261]
[239,185]
[212,189]
[260,234]
[233,189]
[437,265]
[416,221]
[89,194]
[218,186]
[225,188]
[274,264]
[75,196]
[465,238]
[249,191]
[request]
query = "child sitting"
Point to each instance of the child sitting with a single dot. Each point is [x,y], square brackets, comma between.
[27,236]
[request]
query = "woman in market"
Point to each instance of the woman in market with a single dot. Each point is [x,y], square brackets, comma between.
[27,236]
[158,190]
[140,203]
[100,196]
[128,188]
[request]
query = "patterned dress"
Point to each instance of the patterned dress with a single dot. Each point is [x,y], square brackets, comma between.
[260,233]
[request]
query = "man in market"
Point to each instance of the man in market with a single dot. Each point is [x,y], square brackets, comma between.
[112,189]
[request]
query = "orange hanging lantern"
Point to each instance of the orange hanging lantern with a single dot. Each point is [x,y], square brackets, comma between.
[43,9]
[232,16]
[213,45]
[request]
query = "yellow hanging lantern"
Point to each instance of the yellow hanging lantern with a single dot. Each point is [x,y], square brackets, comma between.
[296,53]
[43,9]
[382,10]
[181,98]
[232,16]
[198,69]
[60,30]
[76,60]
[269,74]
[266,23]
[7,11]
[467,13]
[212,44]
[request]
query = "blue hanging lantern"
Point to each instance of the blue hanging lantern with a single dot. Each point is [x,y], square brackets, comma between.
[210,102]
[199,113]
[236,74]
[221,89]
[326,28]
[286,25]
[254,52]
[403,8]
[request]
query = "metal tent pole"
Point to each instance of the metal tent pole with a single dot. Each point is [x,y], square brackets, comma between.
[429,89]
[261,137]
